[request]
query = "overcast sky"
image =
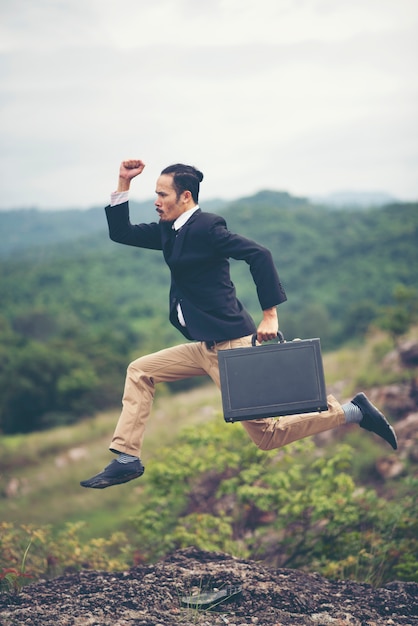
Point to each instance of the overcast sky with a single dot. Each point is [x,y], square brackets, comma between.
[305,96]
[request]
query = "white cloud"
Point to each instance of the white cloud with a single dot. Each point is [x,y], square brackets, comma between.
[50,24]
[239,22]
[305,96]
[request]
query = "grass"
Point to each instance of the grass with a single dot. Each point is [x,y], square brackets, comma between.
[40,472]
[365,365]
[46,467]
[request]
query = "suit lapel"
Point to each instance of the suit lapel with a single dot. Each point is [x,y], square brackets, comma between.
[181,236]
[168,237]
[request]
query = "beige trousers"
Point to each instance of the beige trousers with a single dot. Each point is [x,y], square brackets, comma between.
[195,359]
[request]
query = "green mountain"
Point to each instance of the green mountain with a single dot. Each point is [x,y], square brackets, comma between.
[26,229]
[75,307]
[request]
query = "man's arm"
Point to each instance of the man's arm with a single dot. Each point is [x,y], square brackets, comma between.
[120,228]
[269,288]
[269,326]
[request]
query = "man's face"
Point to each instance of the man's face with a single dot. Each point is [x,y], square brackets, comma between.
[167,205]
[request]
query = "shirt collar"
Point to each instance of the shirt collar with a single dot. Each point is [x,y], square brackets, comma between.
[184,217]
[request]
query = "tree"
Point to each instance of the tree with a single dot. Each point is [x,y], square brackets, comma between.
[40,379]
[398,318]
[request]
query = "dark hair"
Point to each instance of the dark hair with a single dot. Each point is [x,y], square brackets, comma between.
[185,178]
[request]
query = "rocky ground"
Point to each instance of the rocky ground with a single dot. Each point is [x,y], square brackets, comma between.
[169,592]
[157,595]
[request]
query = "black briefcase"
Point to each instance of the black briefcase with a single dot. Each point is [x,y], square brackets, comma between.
[272,379]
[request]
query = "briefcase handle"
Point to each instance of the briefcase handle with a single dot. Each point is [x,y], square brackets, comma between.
[279,334]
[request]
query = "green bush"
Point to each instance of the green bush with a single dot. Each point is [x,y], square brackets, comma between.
[296,507]
[54,553]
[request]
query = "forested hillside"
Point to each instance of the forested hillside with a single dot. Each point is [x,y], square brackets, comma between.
[76,307]
[29,229]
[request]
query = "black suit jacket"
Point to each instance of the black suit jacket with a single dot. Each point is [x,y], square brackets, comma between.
[197,256]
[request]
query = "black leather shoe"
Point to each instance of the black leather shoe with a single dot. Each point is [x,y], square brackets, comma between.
[115,474]
[374,420]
